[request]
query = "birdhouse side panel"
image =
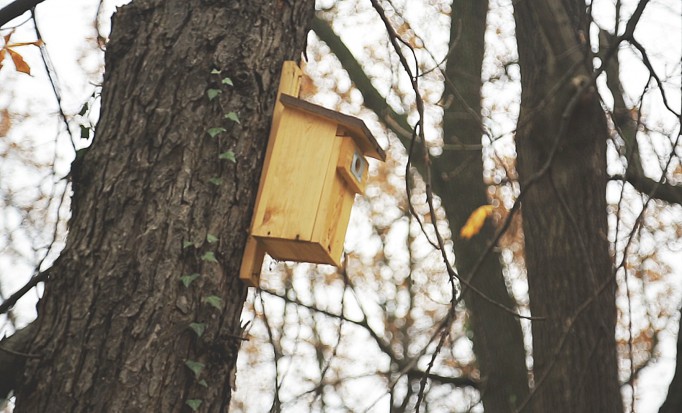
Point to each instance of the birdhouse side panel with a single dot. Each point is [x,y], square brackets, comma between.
[296,173]
[337,201]
[337,221]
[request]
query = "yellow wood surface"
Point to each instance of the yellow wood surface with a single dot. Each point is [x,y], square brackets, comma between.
[296,176]
[344,165]
[307,187]
[252,259]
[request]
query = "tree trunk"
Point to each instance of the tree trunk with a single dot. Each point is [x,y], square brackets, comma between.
[497,338]
[673,401]
[114,326]
[564,213]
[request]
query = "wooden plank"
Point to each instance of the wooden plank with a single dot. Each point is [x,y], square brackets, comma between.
[335,220]
[281,249]
[296,177]
[252,262]
[252,259]
[354,126]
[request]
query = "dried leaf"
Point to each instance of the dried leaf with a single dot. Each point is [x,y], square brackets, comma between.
[475,222]
[19,62]
[5,122]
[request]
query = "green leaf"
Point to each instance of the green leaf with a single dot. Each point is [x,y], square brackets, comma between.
[193,404]
[209,256]
[195,366]
[84,108]
[215,181]
[212,93]
[186,280]
[232,116]
[187,244]
[214,301]
[215,131]
[198,328]
[85,132]
[202,382]
[211,238]
[227,81]
[229,155]
[215,72]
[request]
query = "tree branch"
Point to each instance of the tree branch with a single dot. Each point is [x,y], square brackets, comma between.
[627,129]
[12,299]
[16,9]
[372,98]
[455,381]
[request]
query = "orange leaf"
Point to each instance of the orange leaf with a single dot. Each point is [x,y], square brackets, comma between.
[475,222]
[19,62]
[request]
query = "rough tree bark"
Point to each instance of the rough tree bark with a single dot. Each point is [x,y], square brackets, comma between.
[497,338]
[564,213]
[113,331]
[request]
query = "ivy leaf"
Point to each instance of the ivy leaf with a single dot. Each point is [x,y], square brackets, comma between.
[198,328]
[193,404]
[227,81]
[212,93]
[232,116]
[213,132]
[229,155]
[195,366]
[187,244]
[209,256]
[211,238]
[215,181]
[215,72]
[214,301]
[186,280]
[84,109]
[202,382]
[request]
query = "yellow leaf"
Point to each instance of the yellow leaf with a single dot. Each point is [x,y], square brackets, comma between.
[19,62]
[475,222]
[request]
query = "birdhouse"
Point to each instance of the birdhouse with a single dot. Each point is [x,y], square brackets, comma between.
[314,165]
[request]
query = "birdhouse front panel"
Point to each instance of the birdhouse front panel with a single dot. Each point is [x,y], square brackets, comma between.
[291,193]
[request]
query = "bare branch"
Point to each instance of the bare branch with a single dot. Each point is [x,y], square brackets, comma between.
[16,9]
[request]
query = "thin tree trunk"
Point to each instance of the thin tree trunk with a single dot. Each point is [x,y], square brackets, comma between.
[497,338]
[673,401]
[564,213]
[113,330]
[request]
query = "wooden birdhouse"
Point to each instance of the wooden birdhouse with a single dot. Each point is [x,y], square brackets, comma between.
[314,165]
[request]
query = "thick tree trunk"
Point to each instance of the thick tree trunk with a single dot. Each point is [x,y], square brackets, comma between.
[564,214]
[497,338]
[113,330]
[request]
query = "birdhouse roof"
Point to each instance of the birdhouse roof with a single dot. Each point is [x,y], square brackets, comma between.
[355,127]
